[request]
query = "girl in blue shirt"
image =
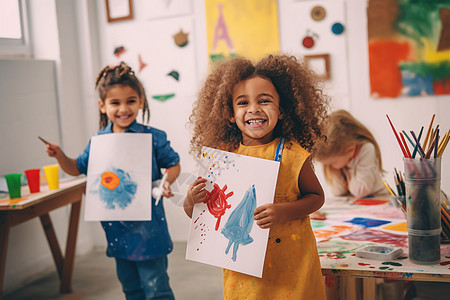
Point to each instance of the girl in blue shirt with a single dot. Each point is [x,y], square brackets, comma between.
[140,248]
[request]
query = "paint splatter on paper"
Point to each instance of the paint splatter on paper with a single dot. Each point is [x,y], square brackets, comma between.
[376,236]
[368,222]
[118,185]
[240,223]
[234,192]
[217,202]
[338,253]
[117,189]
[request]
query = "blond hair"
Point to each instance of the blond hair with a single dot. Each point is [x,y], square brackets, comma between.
[342,131]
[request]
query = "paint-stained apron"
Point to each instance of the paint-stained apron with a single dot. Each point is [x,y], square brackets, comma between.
[291,267]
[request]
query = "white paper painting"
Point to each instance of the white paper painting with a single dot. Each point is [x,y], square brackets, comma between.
[223,231]
[119,178]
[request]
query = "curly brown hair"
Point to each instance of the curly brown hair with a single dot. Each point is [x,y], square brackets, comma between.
[302,102]
[121,74]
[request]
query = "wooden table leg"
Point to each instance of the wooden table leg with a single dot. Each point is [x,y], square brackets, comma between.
[53,243]
[369,288]
[66,281]
[4,235]
[348,288]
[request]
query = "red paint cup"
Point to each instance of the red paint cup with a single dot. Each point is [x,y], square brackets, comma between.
[33,178]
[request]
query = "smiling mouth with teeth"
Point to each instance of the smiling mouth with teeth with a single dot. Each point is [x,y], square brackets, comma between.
[250,122]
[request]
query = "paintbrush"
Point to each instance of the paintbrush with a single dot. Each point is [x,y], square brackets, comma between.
[44,141]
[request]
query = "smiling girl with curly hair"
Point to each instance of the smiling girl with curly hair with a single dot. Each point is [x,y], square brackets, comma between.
[270,110]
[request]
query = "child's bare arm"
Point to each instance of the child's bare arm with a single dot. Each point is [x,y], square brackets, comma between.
[69,165]
[173,173]
[311,199]
[196,194]
[339,184]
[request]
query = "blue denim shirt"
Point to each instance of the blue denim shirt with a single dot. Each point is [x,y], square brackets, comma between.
[139,240]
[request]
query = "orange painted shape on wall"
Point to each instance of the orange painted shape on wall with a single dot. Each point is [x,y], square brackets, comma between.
[384,60]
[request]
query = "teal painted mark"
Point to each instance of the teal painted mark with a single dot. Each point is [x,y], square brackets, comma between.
[407,275]
[392,263]
[317,224]
[336,255]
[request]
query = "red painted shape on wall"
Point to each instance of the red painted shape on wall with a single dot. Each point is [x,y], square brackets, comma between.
[442,87]
[384,61]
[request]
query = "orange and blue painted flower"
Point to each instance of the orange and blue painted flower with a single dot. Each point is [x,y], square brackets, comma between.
[116,188]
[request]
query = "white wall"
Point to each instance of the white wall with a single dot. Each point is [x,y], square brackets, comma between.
[55,36]
[406,113]
[80,51]
[349,86]
[152,39]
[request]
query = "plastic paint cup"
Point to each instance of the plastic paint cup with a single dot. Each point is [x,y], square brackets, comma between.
[34,180]
[52,175]
[423,203]
[13,181]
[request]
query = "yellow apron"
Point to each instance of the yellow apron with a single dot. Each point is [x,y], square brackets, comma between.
[291,267]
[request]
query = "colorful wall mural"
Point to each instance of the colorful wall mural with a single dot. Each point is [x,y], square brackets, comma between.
[409,47]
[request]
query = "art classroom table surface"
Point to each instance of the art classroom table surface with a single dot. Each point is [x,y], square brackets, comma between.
[354,223]
[17,211]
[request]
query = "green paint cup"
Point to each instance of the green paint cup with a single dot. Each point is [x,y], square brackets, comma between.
[13,182]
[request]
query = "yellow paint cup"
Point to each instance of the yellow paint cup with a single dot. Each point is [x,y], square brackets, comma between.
[52,176]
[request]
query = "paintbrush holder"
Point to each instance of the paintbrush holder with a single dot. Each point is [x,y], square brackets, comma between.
[423,207]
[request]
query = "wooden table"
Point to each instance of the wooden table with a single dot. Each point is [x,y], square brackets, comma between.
[39,205]
[337,245]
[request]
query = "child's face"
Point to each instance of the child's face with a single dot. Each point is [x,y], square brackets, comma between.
[339,161]
[121,105]
[256,107]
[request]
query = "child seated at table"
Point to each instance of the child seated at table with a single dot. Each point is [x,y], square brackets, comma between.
[352,166]
[351,157]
